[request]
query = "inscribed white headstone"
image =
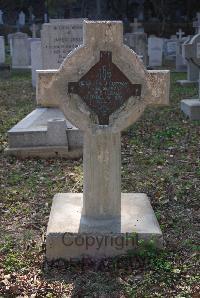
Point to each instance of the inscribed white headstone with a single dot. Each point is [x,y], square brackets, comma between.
[58,38]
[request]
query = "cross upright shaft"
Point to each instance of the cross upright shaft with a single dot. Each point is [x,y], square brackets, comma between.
[102,175]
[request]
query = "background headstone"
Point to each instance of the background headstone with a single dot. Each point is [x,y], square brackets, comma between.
[136,26]
[58,38]
[192,54]
[1,17]
[36,59]
[20,51]
[138,42]
[21,19]
[171,46]
[196,24]
[2,50]
[180,59]
[155,51]
[191,107]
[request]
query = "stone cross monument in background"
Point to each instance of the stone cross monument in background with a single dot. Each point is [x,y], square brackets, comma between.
[102,87]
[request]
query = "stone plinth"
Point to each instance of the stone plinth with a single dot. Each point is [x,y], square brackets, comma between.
[70,235]
[45,133]
[191,108]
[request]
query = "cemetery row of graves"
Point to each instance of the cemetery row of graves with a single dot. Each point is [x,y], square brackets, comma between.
[99,157]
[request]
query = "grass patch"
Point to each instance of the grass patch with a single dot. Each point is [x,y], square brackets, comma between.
[160,157]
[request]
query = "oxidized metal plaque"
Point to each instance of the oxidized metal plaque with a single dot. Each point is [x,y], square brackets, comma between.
[104,88]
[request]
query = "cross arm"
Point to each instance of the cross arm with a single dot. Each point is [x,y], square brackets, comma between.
[44,96]
[159,83]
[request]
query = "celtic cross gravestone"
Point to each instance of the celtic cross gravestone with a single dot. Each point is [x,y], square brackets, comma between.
[192,55]
[102,87]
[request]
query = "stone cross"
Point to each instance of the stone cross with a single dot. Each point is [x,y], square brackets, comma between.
[21,19]
[135,25]
[180,34]
[196,24]
[102,87]
[192,55]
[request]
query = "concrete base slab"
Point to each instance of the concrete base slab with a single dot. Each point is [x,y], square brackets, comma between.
[45,152]
[191,108]
[45,132]
[73,236]
[186,83]
[21,67]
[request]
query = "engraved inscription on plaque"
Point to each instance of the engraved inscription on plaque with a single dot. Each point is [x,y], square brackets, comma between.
[198,50]
[104,88]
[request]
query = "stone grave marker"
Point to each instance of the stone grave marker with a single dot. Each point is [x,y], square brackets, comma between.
[155,51]
[181,65]
[59,37]
[102,87]
[136,26]
[191,107]
[180,60]
[196,24]
[29,137]
[30,41]
[21,19]
[2,50]
[20,51]
[171,45]
[9,37]
[138,43]
[180,34]
[1,17]
[36,59]
[192,55]
[188,38]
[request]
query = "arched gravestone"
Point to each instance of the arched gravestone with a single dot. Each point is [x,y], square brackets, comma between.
[102,87]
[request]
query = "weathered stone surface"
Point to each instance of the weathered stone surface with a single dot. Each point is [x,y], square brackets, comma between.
[2,50]
[192,55]
[69,88]
[191,108]
[72,235]
[42,133]
[20,51]
[138,43]
[36,60]
[170,47]
[155,84]
[181,65]
[155,51]
[58,38]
